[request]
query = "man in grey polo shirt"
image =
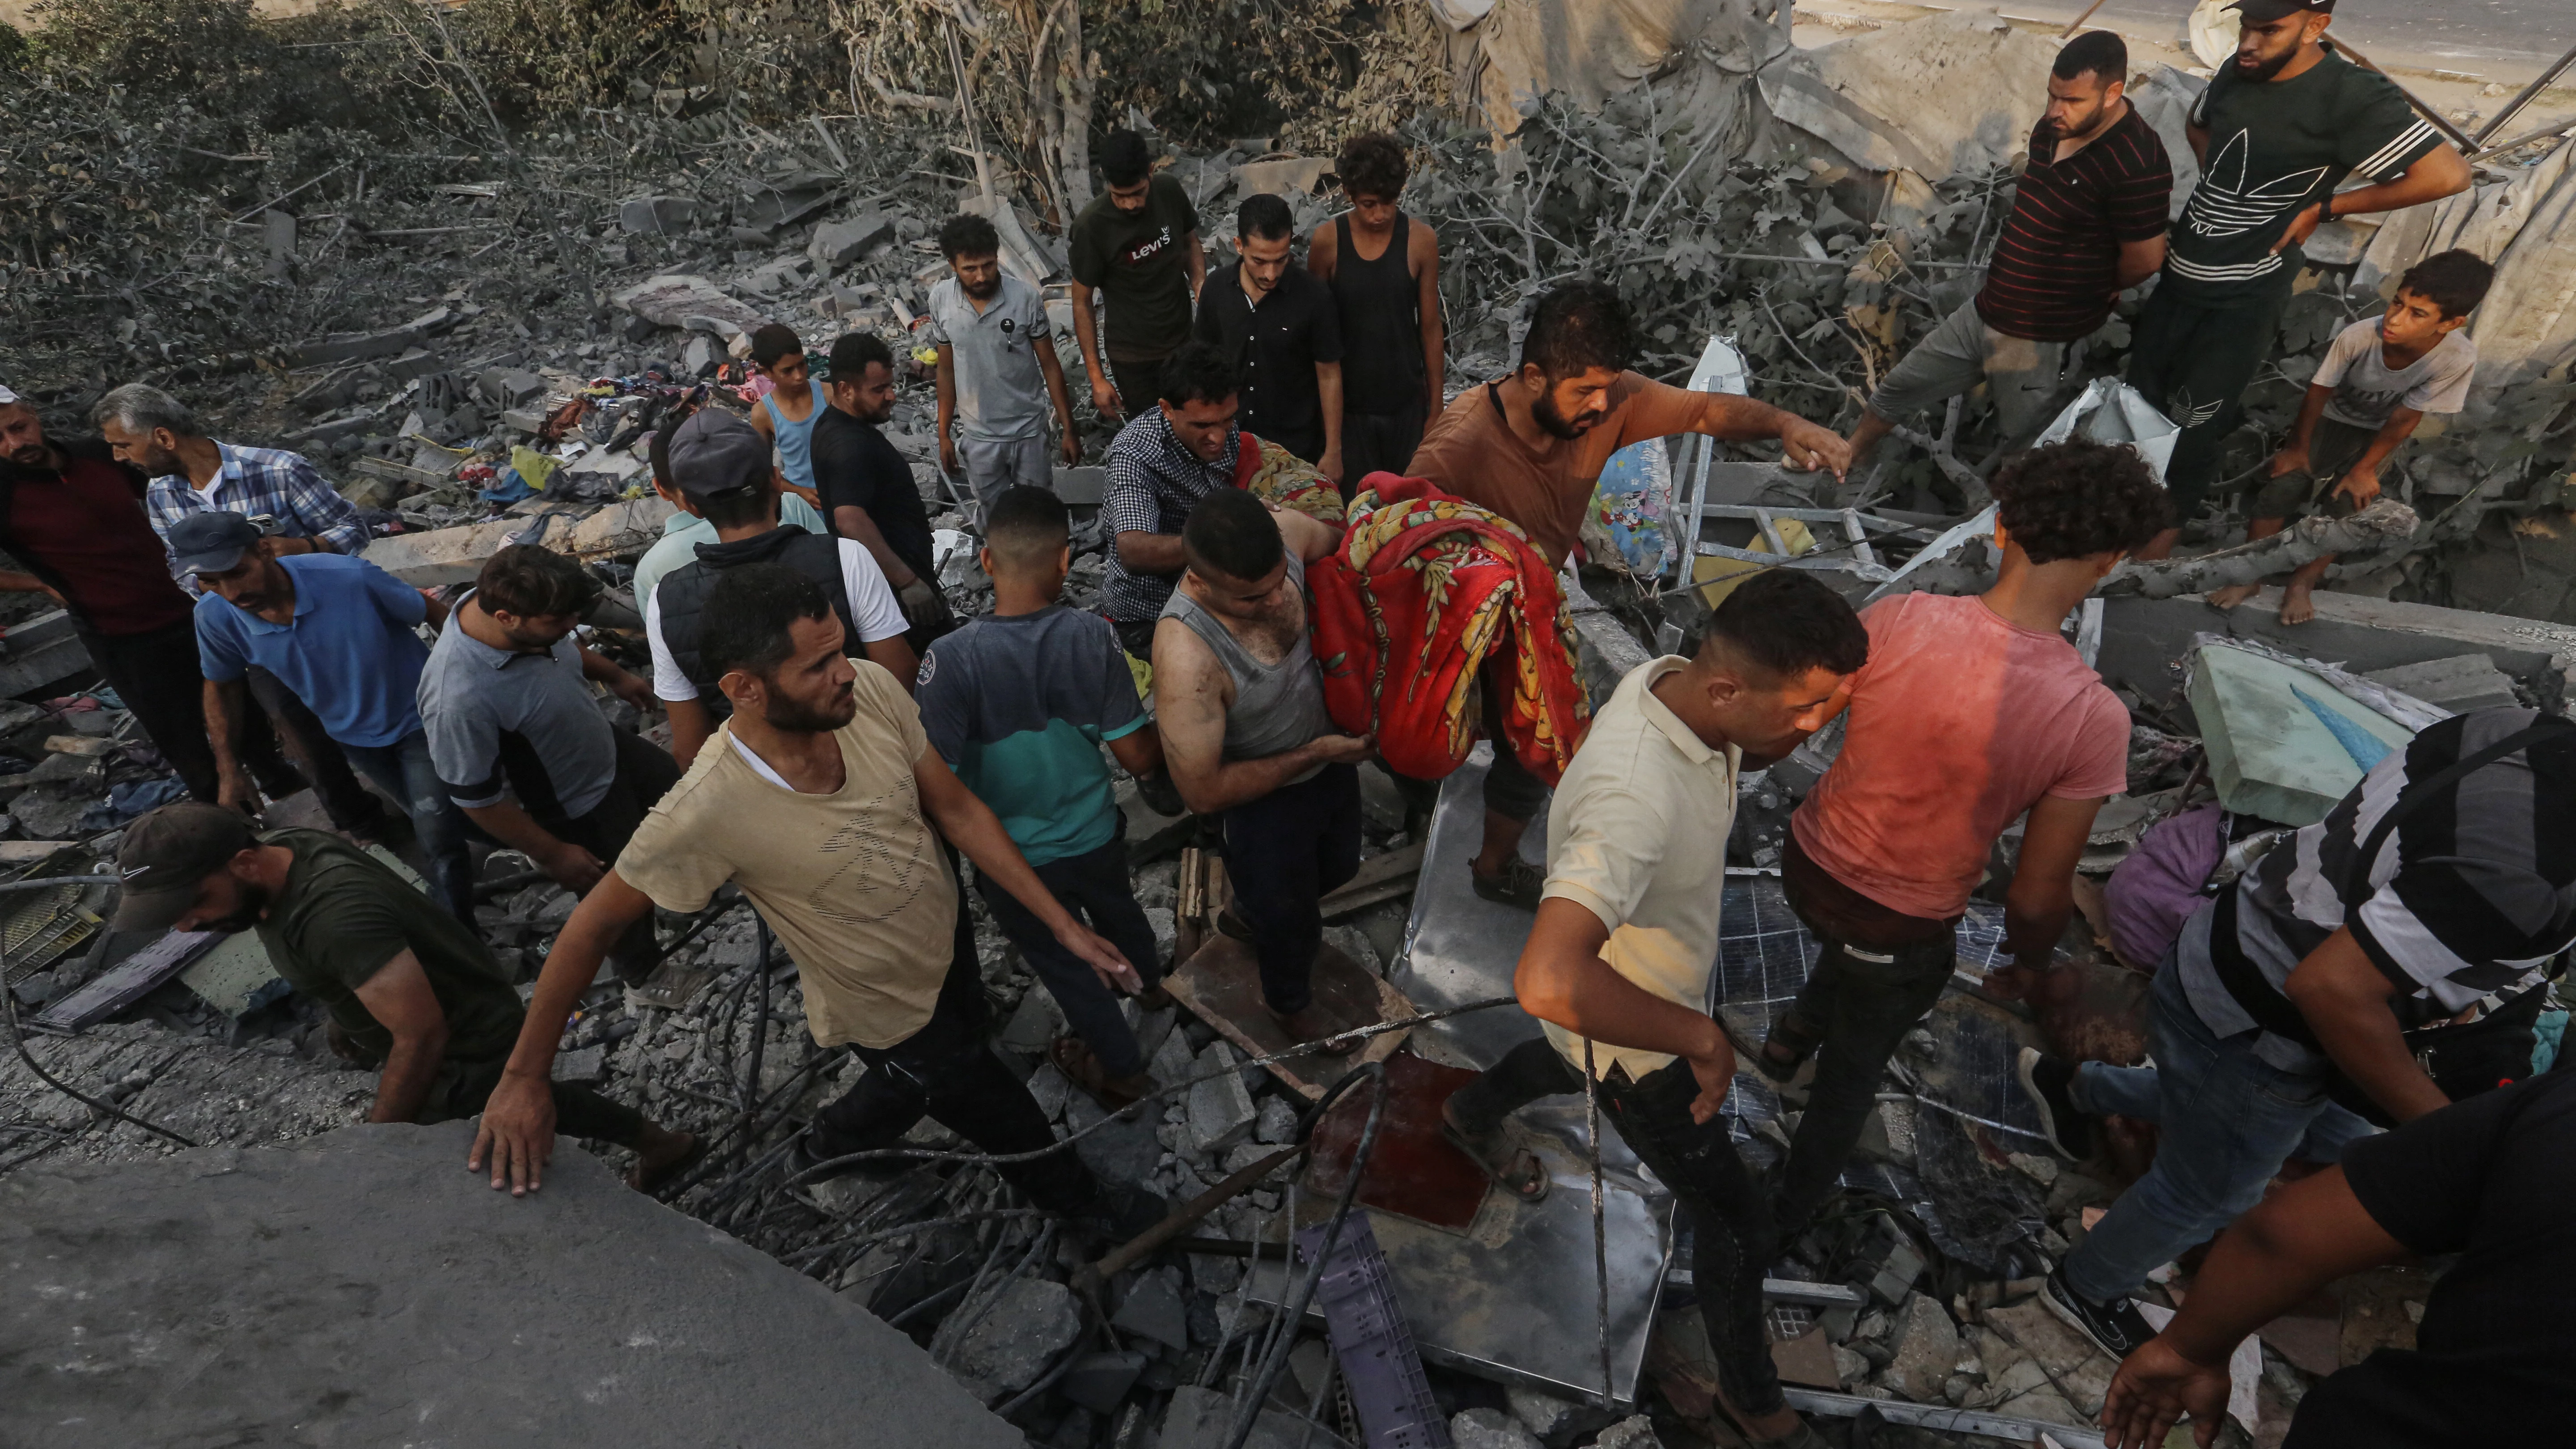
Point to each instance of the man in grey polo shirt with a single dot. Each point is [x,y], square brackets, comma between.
[517,740]
[994,349]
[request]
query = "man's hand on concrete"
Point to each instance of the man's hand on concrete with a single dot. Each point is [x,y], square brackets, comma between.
[517,1133]
[1809,447]
[1103,959]
[573,868]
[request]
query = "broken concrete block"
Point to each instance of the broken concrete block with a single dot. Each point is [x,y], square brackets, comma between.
[1200,1418]
[1124,1152]
[1221,1111]
[414,362]
[1034,1024]
[526,420]
[1634,1432]
[582,1064]
[1167,931]
[657,215]
[1280,176]
[1926,1348]
[380,494]
[1030,1322]
[1154,1310]
[2461,685]
[1081,487]
[1097,1381]
[700,358]
[1557,1422]
[1170,1062]
[1278,1121]
[1489,1429]
[836,244]
[510,387]
[90,746]
[681,300]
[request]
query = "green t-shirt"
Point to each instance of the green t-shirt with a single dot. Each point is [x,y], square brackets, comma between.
[1140,262]
[344,914]
[2274,147]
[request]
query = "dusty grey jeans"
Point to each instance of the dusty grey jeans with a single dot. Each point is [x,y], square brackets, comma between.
[2026,379]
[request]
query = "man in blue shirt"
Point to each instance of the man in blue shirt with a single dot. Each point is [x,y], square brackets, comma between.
[1018,705]
[338,633]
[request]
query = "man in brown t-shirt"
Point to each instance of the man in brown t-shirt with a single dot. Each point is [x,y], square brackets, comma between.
[1531,447]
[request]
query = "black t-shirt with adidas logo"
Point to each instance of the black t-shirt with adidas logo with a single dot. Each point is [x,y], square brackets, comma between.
[2274,147]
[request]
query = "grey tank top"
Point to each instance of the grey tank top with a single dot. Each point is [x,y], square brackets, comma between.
[1277,707]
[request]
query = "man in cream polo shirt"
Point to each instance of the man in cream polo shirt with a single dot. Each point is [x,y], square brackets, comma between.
[1626,942]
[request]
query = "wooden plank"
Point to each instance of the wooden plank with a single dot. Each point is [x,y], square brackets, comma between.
[1381,878]
[1221,982]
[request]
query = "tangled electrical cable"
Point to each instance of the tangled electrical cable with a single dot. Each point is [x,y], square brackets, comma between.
[18,1039]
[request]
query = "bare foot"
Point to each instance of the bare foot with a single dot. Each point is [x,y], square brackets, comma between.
[2232,595]
[661,1155]
[2296,605]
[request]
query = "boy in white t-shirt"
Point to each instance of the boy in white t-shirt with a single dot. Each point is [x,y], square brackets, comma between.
[2378,380]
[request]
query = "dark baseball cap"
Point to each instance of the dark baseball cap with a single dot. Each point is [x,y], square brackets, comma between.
[168,853]
[717,452]
[210,542]
[2264,12]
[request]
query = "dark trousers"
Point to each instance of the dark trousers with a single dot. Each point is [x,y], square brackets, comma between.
[461,1088]
[1510,790]
[1139,384]
[1094,886]
[1730,1223]
[1877,972]
[335,783]
[2193,363]
[404,770]
[1282,853]
[156,674]
[645,772]
[946,1072]
[1378,443]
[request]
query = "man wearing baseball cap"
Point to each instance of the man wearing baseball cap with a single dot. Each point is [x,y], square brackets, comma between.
[337,633]
[723,466]
[410,989]
[2276,132]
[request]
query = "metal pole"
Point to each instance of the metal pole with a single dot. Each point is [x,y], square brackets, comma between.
[2514,107]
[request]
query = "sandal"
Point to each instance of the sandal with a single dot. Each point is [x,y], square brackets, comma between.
[1790,1036]
[1522,1174]
[1074,1057]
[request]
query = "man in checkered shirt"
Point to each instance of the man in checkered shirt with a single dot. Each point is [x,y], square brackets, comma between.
[191,473]
[1160,465]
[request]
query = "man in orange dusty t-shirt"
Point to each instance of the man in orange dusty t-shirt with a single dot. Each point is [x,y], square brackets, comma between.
[1970,712]
[1531,447]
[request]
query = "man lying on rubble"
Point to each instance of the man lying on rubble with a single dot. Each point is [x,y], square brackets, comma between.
[867,486]
[1245,732]
[724,468]
[786,414]
[998,370]
[1160,465]
[822,799]
[2379,379]
[1971,712]
[2488,1179]
[1531,447]
[1626,941]
[2087,223]
[74,527]
[1018,704]
[411,990]
[340,634]
[302,513]
[517,741]
[2276,132]
[685,529]
[2441,886]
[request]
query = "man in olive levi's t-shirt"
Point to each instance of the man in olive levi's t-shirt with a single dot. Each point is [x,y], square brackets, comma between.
[409,987]
[819,799]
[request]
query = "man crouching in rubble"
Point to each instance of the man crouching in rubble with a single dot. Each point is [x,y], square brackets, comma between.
[410,988]
[818,798]
[1626,941]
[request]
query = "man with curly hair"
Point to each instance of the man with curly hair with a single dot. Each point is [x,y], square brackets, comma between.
[1385,274]
[1970,712]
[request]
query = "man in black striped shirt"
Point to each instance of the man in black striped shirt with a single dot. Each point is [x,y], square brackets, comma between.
[2088,222]
[2276,986]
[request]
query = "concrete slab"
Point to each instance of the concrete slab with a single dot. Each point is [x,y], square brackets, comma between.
[361,1288]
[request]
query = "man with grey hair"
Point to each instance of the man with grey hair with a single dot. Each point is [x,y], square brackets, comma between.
[159,436]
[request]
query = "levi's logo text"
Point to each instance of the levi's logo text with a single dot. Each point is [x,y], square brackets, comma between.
[1145,250]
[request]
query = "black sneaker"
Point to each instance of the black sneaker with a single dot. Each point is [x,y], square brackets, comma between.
[1519,884]
[2117,1328]
[2049,1082]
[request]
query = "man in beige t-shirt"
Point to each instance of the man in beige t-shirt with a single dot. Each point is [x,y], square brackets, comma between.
[1531,447]
[818,798]
[1625,943]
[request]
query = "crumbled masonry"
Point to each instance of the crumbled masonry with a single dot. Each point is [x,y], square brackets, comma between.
[469,306]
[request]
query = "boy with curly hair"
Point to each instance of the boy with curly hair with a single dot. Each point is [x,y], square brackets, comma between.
[1970,712]
[2378,380]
